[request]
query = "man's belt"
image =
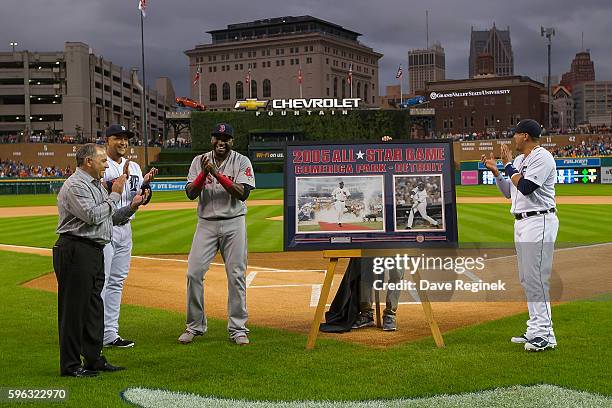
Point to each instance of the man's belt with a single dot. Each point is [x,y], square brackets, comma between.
[84,240]
[522,216]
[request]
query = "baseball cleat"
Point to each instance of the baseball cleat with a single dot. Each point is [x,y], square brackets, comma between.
[522,339]
[538,344]
[121,343]
[389,323]
[186,337]
[241,340]
[364,319]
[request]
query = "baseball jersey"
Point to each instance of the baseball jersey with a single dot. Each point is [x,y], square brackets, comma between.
[540,168]
[215,202]
[419,196]
[340,194]
[132,184]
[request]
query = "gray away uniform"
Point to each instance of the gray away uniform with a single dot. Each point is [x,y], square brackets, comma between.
[221,226]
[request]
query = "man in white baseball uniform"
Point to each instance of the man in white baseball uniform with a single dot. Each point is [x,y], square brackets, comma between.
[118,253]
[419,203]
[531,187]
[340,195]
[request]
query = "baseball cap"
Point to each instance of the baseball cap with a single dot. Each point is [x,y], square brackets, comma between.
[118,130]
[223,129]
[529,126]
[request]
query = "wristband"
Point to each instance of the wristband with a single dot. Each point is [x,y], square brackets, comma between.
[199,181]
[224,181]
[510,170]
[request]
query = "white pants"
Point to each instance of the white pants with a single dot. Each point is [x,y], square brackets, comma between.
[422,209]
[340,206]
[534,238]
[117,257]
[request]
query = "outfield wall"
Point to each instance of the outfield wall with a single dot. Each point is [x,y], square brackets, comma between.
[62,155]
[570,170]
[472,150]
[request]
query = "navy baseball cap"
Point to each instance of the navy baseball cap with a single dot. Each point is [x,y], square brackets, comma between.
[529,126]
[118,130]
[223,129]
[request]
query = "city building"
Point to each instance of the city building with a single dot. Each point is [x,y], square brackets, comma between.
[281,58]
[392,98]
[74,94]
[493,42]
[593,98]
[425,65]
[563,108]
[485,105]
[485,66]
[582,70]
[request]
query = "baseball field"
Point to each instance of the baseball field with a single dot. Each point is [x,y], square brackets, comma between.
[479,367]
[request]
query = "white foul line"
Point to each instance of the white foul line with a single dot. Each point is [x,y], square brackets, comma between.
[261,268]
[250,278]
[315,293]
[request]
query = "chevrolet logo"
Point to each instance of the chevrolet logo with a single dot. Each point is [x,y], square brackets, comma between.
[251,104]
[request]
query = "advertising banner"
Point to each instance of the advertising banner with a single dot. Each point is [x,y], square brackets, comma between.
[469,177]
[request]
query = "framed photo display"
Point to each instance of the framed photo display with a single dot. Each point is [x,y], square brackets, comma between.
[369,195]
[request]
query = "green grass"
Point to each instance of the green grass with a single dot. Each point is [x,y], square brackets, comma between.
[276,366]
[27,200]
[491,223]
[155,232]
[171,232]
[35,200]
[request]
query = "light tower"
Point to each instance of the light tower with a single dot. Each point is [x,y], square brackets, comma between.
[549,33]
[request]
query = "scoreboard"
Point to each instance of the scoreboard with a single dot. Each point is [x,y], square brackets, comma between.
[564,176]
[569,171]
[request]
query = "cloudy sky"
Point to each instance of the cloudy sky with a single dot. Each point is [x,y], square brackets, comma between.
[391,27]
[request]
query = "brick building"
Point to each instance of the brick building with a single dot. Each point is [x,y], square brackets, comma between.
[485,105]
[272,53]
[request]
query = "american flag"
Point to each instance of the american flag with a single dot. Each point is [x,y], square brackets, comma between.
[196,79]
[142,6]
[399,72]
[299,76]
[350,74]
[248,77]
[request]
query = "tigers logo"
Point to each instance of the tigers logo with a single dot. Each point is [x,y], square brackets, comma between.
[222,128]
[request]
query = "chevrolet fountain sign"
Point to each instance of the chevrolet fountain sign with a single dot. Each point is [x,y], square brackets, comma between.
[484,92]
[308,105]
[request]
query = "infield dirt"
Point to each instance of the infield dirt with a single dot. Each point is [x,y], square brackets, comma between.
[282,291]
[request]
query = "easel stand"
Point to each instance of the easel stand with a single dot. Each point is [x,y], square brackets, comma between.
[334,256]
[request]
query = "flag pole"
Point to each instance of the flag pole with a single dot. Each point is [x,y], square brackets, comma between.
[143,108]
[300,79]
[200,84]
[401,86]
[250,87]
